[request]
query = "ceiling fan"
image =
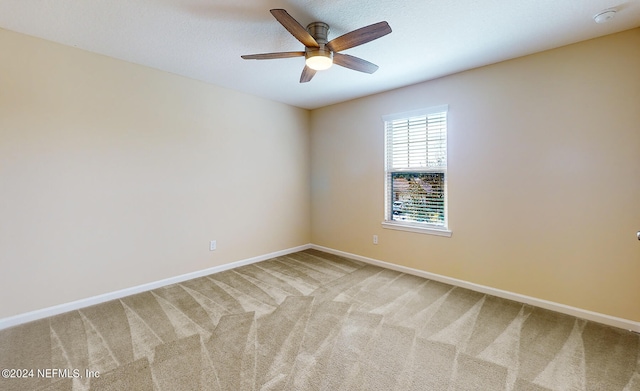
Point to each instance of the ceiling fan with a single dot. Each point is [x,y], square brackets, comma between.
[319,53]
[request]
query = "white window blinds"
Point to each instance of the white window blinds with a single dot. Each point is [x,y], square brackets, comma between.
[417,142]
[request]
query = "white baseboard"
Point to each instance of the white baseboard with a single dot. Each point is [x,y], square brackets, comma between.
[78,304]
[565,309]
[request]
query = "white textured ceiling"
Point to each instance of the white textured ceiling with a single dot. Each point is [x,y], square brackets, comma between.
[203,39]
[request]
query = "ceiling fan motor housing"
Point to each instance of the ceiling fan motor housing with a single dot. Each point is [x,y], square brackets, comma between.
[319,31]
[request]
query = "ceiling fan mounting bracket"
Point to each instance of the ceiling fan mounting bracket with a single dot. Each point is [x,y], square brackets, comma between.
[319,31]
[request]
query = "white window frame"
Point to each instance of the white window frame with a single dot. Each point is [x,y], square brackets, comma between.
[418,227]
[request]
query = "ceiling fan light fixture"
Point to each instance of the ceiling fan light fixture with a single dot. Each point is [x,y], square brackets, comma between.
[319,59]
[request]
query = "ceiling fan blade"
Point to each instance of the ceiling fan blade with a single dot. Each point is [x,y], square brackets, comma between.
[359,36]
[355,63]
[295,28]
[307,74]
[271,56]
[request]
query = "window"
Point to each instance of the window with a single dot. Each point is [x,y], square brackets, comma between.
[416,171]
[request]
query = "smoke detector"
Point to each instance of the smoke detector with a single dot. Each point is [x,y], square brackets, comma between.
[604,16]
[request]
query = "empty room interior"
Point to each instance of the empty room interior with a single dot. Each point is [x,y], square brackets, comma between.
[174,216]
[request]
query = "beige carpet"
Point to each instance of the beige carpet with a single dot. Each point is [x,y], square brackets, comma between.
[315,321]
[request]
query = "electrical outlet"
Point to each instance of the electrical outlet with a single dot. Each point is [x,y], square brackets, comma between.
[212,245]
[375,239]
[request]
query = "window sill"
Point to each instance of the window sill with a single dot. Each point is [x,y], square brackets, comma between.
[417,228]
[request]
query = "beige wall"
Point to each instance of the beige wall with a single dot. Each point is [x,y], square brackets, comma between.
[544,176]
[113,175]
